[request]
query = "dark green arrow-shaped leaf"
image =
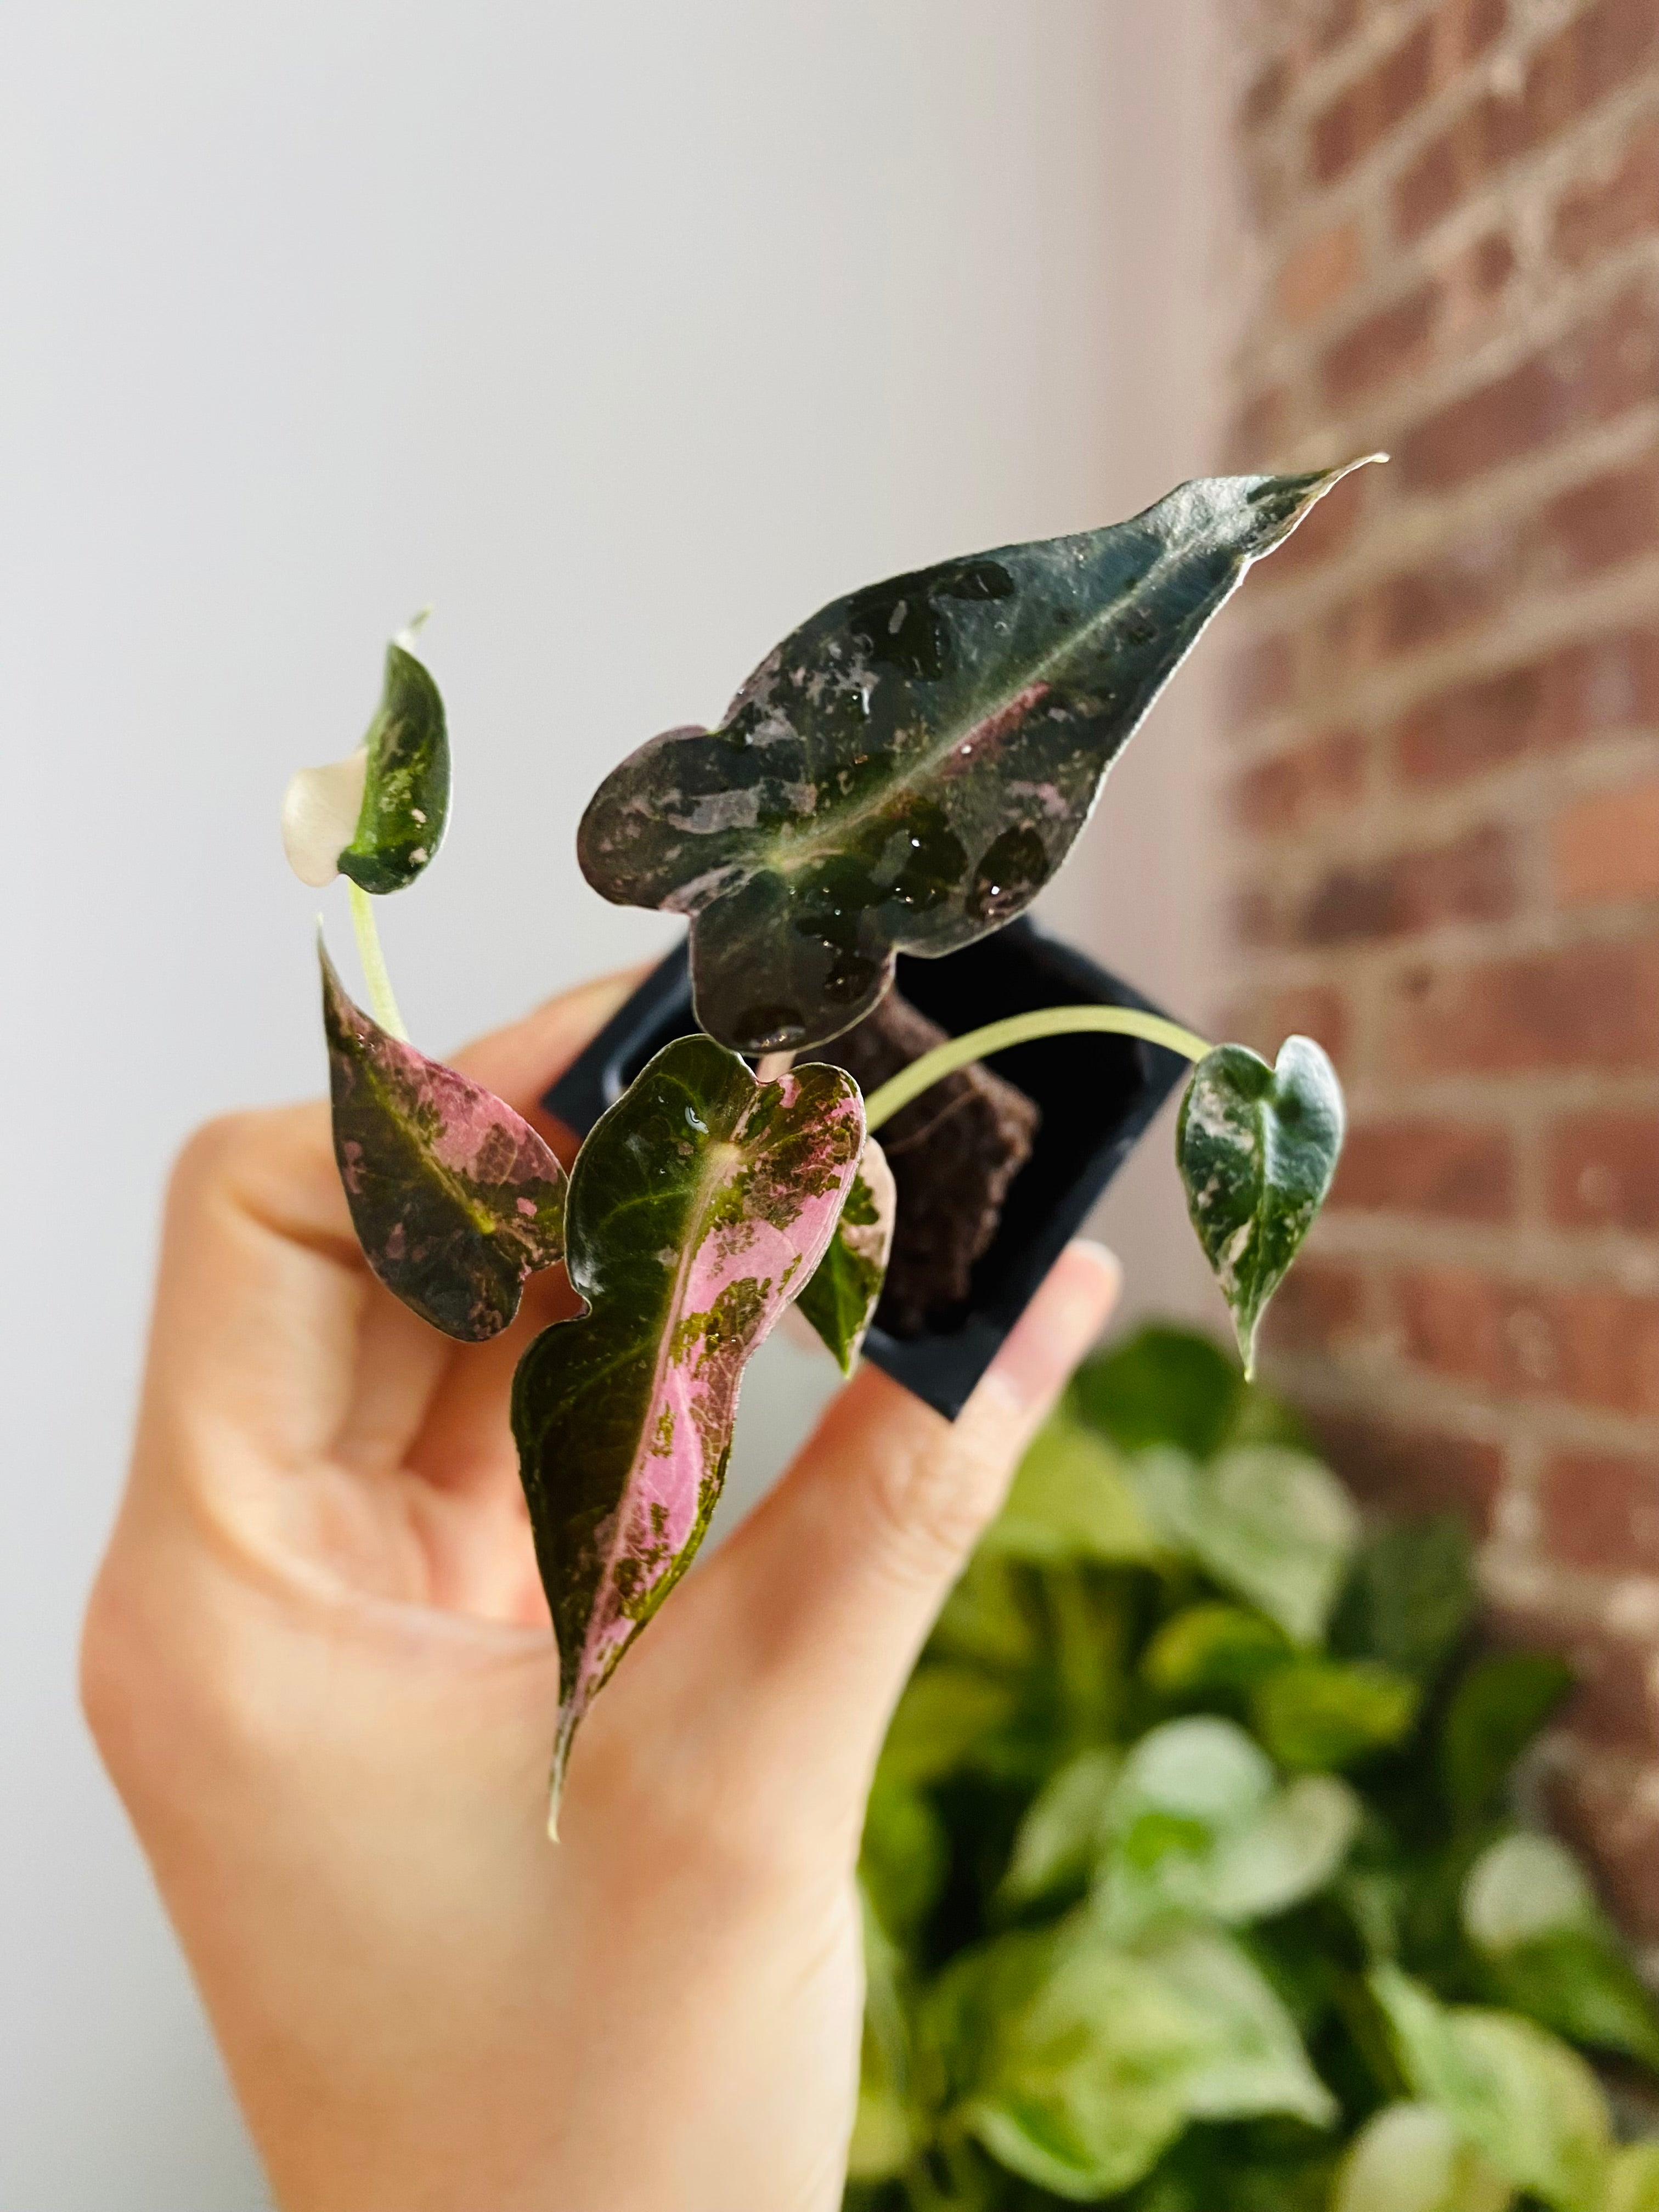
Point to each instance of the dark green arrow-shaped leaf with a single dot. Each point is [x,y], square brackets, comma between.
[846,1284]
[455,1197]
[910,767]
[1257,1147]
[700,1205]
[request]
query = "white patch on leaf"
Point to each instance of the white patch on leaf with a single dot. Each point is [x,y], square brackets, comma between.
[319,816]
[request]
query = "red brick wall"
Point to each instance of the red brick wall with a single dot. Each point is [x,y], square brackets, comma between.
[1443,790]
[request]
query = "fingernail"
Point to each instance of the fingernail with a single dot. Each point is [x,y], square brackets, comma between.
[1058,1326]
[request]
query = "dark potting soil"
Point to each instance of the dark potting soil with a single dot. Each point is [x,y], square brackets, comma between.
[953,1152]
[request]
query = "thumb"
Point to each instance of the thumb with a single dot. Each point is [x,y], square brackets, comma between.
[838,1575]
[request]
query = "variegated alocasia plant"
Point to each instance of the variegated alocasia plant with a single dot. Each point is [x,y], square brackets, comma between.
[904,773]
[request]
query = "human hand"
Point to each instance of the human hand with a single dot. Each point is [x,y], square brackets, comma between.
[319,1666]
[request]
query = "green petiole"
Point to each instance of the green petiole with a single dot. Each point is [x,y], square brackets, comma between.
[1025,1029]
[382,1002]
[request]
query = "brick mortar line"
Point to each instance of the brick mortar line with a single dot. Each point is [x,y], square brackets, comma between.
[1270,352]
[1514,1254]
[1500,67]
[1521,792]
[1400,524]
[1400,1398]
[1528,182]
[1529,627]
[1452,945]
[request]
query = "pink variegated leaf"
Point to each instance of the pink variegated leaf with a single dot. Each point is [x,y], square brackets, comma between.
[699,1208]
[454,1198]
[842,1298]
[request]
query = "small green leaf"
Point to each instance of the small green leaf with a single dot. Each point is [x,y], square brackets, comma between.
[1083,2059]
[1289,1851]
[378,816]
[1528,1909]
[1499,1707]
[1063,1830]
[1410,2158]
[1162,1386]
[1254,2064]
[700,1203]
[841,1298]
[1257,1147]
[1272,1526]
[942,1719]
[1208,1649]
[1197,1828]
[1524,1887]
[405,806]
[1410,1597]
[1071,1501]
[1325,1713]
[455,1199]
[908,768]
[1529,2105]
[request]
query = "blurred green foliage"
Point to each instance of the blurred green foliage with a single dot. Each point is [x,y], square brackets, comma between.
[1192,1877]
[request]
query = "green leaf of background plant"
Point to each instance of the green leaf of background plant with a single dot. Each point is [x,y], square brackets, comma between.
[1272,1526]
[1209,1650]
[885,2127]
[1196,1826]
[1161,1386]
[1633,2179]
[1070,1500]
[1550,1951]
[700,1203]
[1085,2059]
[986,1621]
[1257,1147]
[1528,2104]
[942,1719]
[909,767]
[840,1300]
[1409,1597]
[455,1199]
[1498,1708]
[1324,1713]
[1289,1852]
[904,1856]
[1255,2063]
[1410,2158]
[1063,1830]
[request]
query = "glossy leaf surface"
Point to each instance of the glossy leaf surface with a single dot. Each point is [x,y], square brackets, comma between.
[909,767]
[1257,1147]
[379,815]
[454,1198]
[699,1206]
[846,1284]
[405,807]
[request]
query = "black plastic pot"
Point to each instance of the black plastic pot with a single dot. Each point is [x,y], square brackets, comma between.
[1096,1093]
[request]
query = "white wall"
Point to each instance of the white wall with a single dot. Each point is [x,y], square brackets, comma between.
[626,334]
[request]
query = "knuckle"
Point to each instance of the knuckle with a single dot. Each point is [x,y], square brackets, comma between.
[930,1501]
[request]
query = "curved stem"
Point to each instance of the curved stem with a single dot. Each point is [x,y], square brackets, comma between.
[1024,1029]
[382,1003]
